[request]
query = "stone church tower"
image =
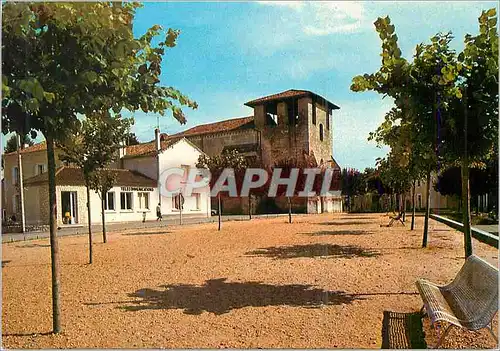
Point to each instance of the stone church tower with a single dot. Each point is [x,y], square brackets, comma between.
[294,124]
[291,125]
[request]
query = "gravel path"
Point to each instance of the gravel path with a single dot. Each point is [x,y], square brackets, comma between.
[322,282]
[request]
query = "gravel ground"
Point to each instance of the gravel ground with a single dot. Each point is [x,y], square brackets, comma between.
[322,282]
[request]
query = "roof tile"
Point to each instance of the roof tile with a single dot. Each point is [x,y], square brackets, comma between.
[68,175]
[217,127]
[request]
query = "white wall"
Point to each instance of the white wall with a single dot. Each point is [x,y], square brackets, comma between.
[183,153]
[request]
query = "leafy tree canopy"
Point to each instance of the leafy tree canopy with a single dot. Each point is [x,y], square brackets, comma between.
[11,144]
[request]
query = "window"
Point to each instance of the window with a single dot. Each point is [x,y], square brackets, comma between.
[39,168]
[328,116]
[293,112]
[126,201]
[15,175]
[143,201]
[197,197]
[321,132]
[109,201]
[418,182]
[314,112]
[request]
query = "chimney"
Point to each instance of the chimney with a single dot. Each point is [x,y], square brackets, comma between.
[157,139]
[123,149]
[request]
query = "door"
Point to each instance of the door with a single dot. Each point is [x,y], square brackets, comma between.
[69,213]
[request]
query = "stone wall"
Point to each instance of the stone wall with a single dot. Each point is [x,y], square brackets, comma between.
[322,149]
[30,160]
[213,144]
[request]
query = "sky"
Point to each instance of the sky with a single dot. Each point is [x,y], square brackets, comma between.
[229,53]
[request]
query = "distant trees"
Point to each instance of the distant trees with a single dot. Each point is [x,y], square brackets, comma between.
[131,139]
[351,184]
[11,144]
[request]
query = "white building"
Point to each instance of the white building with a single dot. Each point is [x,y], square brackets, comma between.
[136,192]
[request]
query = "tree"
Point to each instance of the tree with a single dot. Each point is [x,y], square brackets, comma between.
[421,89]
[229,159]
[11,144]
[470,130]
[102,181]
[78,59]
[352,184]
[131,139]
[93,146]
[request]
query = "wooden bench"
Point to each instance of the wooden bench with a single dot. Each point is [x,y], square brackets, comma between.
[470,301]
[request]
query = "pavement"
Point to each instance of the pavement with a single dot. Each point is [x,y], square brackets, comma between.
[116,227]
[490,228]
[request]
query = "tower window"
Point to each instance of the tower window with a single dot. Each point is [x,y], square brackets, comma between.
[321,132]
[314,112]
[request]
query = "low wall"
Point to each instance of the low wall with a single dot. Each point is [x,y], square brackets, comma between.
[478,234]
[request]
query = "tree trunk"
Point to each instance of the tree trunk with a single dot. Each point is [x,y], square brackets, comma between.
[466,208]
[249,206]
[404,205]
[90,223]
[413,207]
[54,246]
[427,208]
[103,198]
[20,183]
[218,199]
[289,210]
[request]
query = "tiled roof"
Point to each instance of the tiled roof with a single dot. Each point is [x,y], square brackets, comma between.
[217,127]
[292,93]
[67,175]
[36,147]
[146,149]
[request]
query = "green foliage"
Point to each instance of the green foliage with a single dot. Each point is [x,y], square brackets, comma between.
[96,143]
[216,164]
[131,139]
[11,144]
[80,58]
[102,181]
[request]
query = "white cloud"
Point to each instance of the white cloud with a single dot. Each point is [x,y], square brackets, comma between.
[291,4]
[318,18]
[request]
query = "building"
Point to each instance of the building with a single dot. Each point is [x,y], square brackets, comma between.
[294,124]
[136,191]
[437,201]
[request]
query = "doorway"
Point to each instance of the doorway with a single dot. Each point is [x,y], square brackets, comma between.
[69,206]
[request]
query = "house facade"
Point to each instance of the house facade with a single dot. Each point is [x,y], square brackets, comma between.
[134,196]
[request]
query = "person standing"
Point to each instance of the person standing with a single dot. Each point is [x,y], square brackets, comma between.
[158,212]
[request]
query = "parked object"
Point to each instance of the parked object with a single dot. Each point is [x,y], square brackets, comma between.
[470,301]
[397,218]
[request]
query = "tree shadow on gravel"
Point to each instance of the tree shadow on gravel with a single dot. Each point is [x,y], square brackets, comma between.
[219,296]
[346,223]
[314,250]
[147,233]
[339,232]
[30,246]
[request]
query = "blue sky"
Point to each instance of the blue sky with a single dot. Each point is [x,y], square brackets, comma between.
[230,53]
